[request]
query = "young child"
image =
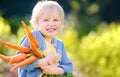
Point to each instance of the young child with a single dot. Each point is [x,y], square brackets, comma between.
[47,19]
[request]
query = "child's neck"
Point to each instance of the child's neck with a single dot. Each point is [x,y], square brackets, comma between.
[49,40]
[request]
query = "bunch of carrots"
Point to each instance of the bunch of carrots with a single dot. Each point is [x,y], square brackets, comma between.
[26,55]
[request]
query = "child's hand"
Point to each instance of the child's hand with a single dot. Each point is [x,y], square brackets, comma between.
[42,62]
[52,70]
[53,58]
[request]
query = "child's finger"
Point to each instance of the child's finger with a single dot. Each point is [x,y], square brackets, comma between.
[49,62]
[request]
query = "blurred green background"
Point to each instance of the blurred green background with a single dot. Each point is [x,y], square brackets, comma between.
[90,34]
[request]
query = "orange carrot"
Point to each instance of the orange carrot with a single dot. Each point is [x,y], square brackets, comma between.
[35,50]
[16,47]
[18,58]
[30,35]
[5,58]
[27,61]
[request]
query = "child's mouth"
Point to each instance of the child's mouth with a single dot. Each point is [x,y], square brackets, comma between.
[51,30]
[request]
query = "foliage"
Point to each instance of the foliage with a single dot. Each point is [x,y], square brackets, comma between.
[89,13]
[100,52]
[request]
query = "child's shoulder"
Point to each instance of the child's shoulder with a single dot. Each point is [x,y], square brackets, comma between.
[35,31]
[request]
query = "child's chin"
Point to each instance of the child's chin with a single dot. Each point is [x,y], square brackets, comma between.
[52,34]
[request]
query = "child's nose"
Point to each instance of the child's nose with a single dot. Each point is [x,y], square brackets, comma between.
[51,23]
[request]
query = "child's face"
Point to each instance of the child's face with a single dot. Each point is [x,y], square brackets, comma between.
[49,23]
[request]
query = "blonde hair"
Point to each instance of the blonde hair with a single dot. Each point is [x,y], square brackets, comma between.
[45,4]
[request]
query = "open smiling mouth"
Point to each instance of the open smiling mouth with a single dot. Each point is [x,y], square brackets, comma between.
[51,29]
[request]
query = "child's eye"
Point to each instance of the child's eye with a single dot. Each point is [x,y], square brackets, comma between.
[56,20]
[45,20]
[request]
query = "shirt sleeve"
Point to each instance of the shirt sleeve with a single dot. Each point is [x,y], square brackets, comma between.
[65,63]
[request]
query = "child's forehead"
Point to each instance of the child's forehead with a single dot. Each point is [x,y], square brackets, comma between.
[49,12]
